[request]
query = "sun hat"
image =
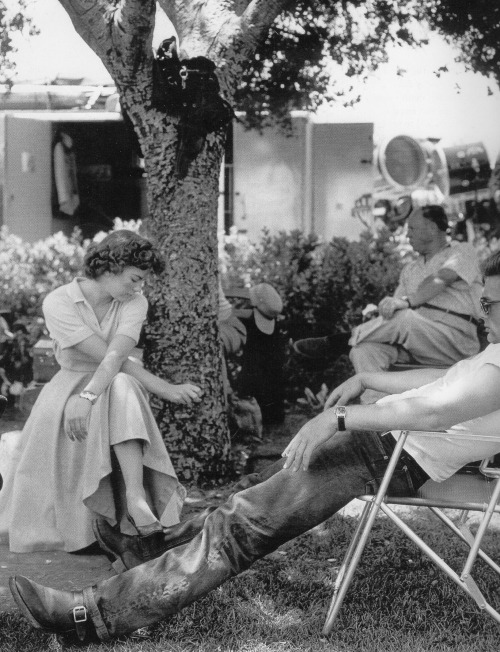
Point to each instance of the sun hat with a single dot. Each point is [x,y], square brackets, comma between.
[267,306]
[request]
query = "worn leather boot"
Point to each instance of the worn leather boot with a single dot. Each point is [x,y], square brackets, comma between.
[130,551]
[58,612]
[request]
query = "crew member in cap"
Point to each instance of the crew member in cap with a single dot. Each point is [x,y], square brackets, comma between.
[263,357]
[432,318]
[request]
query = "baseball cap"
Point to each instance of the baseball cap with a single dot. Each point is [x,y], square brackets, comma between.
[267,306]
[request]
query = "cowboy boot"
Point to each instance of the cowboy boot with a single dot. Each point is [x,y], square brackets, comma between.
[58,612]
[130,551]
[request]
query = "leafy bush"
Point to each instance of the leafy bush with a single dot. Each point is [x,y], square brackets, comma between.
[28,272]
[324,286]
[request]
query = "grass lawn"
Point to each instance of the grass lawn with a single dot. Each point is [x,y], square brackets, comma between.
[397,603]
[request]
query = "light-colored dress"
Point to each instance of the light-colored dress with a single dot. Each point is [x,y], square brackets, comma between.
[56,486]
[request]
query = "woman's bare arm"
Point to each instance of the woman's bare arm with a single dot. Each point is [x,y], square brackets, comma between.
[96,348]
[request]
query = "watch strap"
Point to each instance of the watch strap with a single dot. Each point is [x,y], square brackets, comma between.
[340,413]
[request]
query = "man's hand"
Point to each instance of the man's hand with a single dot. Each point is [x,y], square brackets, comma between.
[346,392]
[389,305]
[310,437]
[76,412]
[186,394]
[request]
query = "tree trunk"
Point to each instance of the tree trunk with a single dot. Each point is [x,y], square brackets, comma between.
[182,333]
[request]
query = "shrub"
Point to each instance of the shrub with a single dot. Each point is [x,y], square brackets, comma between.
[324,286]
[28,272]
[353,274]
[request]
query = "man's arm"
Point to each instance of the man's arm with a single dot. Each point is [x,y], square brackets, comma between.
[430,288]
[466,399]
[389,382]
[433,285]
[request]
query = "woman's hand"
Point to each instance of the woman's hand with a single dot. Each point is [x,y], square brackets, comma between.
[76,412]
[346,392]
[310,437]
[186,394]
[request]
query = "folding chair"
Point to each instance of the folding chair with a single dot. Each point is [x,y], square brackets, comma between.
[478,492]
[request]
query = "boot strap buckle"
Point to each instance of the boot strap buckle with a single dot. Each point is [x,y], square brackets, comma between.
[80,618]
[80,614]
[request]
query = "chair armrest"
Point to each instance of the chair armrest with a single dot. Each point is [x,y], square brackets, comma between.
[490,471]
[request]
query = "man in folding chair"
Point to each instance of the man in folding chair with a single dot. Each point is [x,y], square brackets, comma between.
[324,467]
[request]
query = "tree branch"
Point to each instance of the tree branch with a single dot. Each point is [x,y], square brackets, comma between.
[90,20]
[135,17]
[259,15]
[119,34]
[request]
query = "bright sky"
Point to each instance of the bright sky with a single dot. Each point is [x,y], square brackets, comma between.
[455,107]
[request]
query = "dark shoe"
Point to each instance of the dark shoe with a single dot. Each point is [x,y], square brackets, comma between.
[129,552]
[58,612]
[323,348]
[313,348]
[124,550]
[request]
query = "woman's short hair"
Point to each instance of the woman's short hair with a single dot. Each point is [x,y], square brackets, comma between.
[436,214]
[491,266]
[120,249]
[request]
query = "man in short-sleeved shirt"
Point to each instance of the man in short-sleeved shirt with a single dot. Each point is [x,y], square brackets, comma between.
[432,318]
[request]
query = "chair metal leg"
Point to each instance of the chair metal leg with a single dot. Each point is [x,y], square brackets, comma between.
[362,534]
[350,561]
[481,530]
[469,587]
[466,535]
[348,573]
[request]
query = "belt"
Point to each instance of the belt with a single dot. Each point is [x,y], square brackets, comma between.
[468,318]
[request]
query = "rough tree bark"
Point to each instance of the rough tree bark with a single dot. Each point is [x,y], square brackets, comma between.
[183,342]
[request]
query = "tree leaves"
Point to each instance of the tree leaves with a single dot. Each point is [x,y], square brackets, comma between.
[13,21]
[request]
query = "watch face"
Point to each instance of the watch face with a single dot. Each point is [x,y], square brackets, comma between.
[89,396]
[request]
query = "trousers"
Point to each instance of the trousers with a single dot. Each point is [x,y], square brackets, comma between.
[276,506]
[413,336]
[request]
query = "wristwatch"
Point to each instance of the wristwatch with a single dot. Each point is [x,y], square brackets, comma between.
[340,413]
[90,396]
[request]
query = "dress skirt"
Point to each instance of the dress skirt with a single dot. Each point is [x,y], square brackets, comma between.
[56,487]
